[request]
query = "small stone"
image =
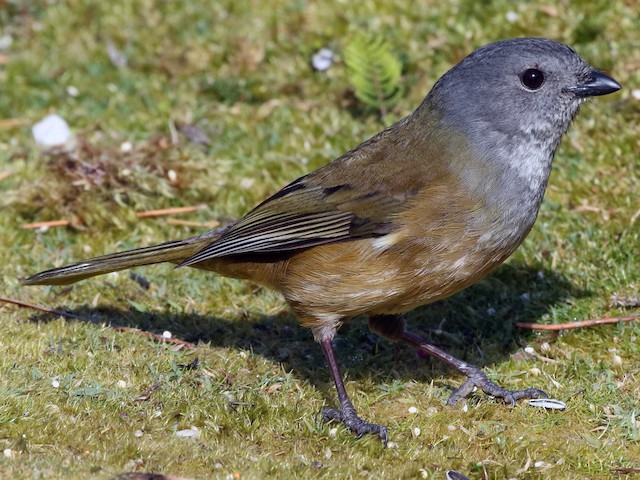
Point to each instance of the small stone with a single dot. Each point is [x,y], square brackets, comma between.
[172,176]
[529,350]
[247,183]
[5,42]
[413,410]
[122,384]
[192,432]
[55,384]
[126,147]
[535,371]
[8,453]
[72,91]
[333,432]
[138,433]
[548,403]
[512,17]
[617,360]
[416,432]
[322,59]
[52,131]
[166,334]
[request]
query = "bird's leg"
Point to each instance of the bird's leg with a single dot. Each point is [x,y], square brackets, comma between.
[392,326]
[346,413]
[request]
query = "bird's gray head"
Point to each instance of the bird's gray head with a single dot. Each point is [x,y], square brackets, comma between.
[513,100]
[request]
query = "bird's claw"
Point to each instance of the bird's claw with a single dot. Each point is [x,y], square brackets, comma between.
[479,379]
[349,418]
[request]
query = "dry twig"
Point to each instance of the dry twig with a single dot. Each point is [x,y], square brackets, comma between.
[581,324]
[47,224]
[169,211]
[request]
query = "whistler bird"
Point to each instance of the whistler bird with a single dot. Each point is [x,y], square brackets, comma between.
[416,213]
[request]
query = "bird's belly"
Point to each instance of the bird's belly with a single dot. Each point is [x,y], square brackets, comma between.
[347,279]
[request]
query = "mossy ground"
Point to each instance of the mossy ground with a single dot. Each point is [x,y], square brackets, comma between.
[221,107]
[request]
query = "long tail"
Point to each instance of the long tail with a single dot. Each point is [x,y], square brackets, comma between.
[174,251]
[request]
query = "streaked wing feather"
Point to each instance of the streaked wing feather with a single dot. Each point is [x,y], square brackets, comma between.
[322,215]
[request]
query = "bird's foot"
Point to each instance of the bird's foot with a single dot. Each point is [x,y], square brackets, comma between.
[477,378]
[348,416]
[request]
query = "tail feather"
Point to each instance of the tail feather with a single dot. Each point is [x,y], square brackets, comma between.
[174,251]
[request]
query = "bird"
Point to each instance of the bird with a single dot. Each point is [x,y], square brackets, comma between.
[416,213]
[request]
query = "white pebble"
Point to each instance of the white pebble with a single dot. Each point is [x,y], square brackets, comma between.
[55,384]
[635,93]
[122,384]
[52,131]
[539,464]
[548,403]
[72,91]
[172,175]
[322,59]
[451,428]
[192,432]
[5,42]
[126,147]
[8,453]
[413,410]
[535,371]
[617,360]
[529,350]
[138,433]
[247,183]
[166,334]
[416,431]
[511,17]
[392,445]
[465,408]
[333,432]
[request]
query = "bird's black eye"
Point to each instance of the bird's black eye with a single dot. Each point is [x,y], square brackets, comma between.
[532,78]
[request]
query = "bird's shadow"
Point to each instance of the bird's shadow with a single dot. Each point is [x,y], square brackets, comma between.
[475,325]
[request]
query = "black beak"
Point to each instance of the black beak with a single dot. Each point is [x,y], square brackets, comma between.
[597,84]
